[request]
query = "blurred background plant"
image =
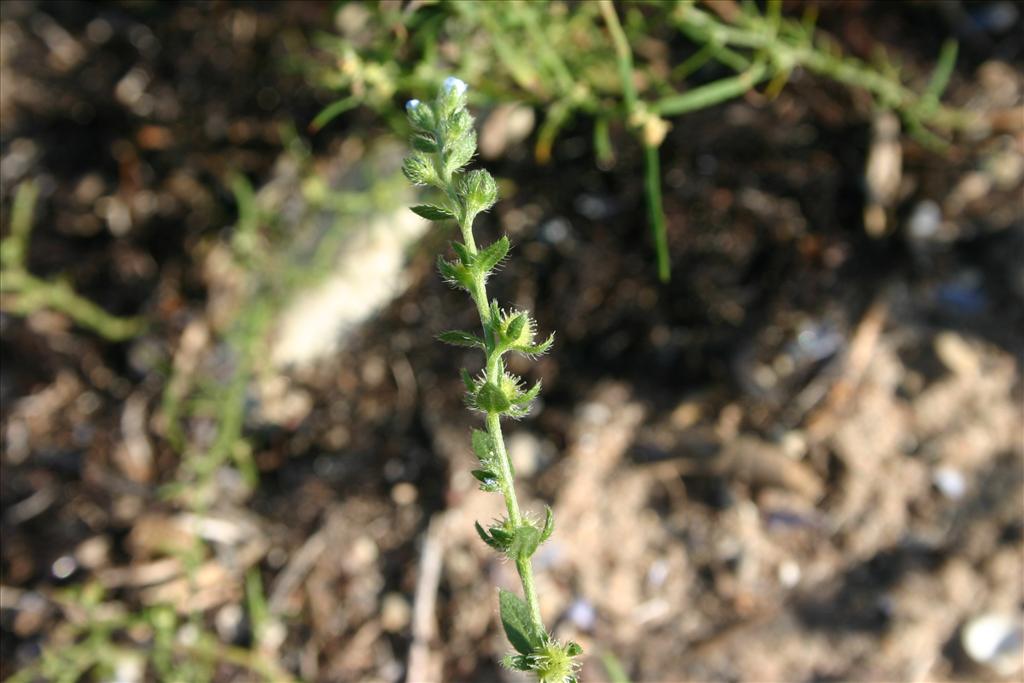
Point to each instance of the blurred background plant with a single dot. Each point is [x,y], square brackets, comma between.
[555,57]
[24,293]
[231,452]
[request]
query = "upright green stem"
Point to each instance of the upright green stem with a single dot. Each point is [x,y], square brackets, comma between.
[444,143]
[493,370]
[508,490]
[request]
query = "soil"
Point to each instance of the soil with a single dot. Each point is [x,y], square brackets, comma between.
[799,460]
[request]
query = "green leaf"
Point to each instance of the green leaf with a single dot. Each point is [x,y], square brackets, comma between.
[457,125]
[463,254]
[538,349]
[486,538]
[491,399]
[461,338]
[573,649]
[418,170]
[515,617]
[515,327]
[467,379]
[502,535]
[455,274]
[483,446]
[432,213]
[517,663]
[525,543]
[487,259]
[527,396]
[424,143]
[461,150]
[549,524]
[488,480]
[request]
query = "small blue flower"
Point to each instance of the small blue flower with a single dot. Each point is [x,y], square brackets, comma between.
[411,105]
[452,83]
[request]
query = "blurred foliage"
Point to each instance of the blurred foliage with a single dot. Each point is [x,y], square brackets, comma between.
[559,58]
[24,293]
[279,245]
[102,640]
[287,237]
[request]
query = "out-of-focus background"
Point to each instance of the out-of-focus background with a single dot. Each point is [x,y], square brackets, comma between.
[234,451]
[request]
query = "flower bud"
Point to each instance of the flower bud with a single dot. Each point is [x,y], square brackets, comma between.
[478,192]
[420,115]
[451,97]
[418,169]
[454,84]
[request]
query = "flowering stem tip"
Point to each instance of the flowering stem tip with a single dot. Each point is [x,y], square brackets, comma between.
[444,142]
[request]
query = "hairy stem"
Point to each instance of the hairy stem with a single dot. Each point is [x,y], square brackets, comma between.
[494,369]
[444,143]
[508,490]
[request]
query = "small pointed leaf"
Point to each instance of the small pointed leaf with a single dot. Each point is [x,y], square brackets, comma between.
[517,662]
[488,480]
[424,143]
[515,327]
[431,212]
[483,446]
[549,524]
[485,538]
[491,399]
[463,253]
[467,379]
[461,338]
[539,349]
[502,536]
[487,259]
[455,274]
[527,396]
[515,617]
[525,543]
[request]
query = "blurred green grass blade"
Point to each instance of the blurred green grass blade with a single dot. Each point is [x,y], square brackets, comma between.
[603,149]
[711,94]
[332,111]
[613,667]
[940,77]
[12,250]
[694,62]
[656,213]
[259,614]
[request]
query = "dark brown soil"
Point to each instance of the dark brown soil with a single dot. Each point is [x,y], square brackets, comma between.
[800,460]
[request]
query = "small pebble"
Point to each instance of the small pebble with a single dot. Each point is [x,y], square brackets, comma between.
[995,640]
[394,612]
[229,622]
[925,221]
[64,566]
[657,574]
[582,614]
[949,482]
[789,573]
[94,552]
[404,493]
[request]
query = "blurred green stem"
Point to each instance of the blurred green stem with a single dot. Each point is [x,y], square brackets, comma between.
[652,172]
